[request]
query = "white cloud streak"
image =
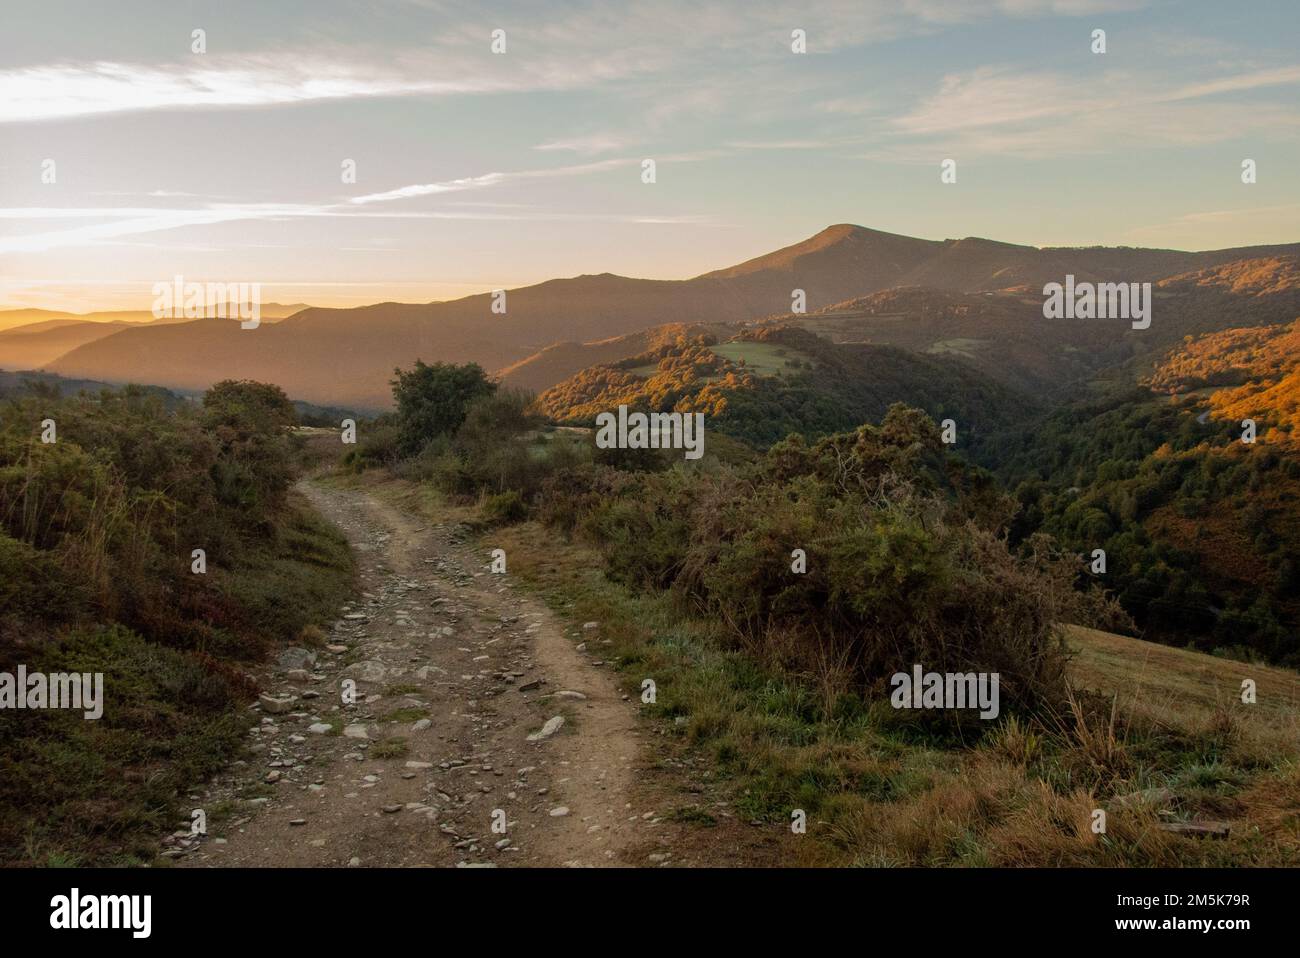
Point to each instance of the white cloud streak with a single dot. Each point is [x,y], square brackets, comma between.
[997,110]
[132,221]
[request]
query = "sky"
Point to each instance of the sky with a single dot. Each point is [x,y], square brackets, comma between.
[128,157]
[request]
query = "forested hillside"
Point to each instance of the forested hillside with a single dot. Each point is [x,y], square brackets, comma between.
[767,383]
[1200,528]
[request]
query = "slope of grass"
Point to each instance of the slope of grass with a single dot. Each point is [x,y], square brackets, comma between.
[1159,736]
[762,359]
[103,792]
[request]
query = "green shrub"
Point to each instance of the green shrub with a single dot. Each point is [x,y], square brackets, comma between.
[906,558]
[378,444]
[434,400]
[97,532]
[504,508]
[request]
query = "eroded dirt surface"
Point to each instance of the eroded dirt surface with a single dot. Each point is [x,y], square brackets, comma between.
[462,668]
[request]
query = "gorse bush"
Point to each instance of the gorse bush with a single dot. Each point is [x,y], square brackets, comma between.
[907,560]
[253,466]
[504,508]
[378,444]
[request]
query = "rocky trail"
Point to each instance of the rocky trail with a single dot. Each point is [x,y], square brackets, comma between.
[470,699]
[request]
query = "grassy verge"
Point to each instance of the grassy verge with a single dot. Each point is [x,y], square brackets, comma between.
[1158,739]
[102,792]
[298,579]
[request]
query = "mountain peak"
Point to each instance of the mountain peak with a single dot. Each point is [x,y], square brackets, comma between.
[834,247]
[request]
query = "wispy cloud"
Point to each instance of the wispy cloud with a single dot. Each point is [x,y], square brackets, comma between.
[131,221]
[68,90]
[849,105]
[999,110]
[486,179]
[812,143]
[1282,76]
[989,96]
[578,45]
[590,143]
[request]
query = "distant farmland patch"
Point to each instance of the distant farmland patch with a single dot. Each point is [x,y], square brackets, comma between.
[763,359]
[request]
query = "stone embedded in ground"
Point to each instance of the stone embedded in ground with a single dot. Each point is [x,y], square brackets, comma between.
[276,705]
[368,670]
[295,657]
[389,658]
[553,725]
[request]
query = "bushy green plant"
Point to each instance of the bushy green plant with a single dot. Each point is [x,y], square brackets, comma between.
[97,531]
[907,561]
[378,445]
[504,508]
[433,400]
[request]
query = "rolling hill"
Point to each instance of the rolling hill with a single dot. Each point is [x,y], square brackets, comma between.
[1199,527]
[32,338]
[348,355]
[761,385]
[558,362]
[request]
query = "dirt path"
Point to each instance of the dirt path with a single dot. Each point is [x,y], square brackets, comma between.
[454,671]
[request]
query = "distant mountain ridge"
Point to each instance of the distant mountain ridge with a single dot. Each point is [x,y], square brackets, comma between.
[29,317]
[31,338]
[347,356]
